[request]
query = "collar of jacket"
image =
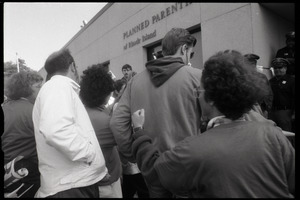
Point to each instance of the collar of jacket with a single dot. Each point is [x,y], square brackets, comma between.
[163,68]
[219,120]
[74,85]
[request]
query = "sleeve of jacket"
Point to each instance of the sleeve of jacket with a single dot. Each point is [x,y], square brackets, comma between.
[288,155]
[120,124]
[176,168]
[146,155]
[59,128]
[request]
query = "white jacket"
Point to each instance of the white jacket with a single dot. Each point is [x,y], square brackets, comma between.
[68,150]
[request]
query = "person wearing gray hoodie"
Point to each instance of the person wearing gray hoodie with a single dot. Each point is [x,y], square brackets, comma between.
[165,89]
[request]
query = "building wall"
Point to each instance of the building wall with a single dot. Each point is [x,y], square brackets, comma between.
[246,27]
[106,38]
[269,32]
[225,26]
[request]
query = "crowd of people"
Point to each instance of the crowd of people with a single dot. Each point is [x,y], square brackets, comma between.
[172,131]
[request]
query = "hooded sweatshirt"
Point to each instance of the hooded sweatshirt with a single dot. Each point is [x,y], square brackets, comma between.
[162,69]
[165,91]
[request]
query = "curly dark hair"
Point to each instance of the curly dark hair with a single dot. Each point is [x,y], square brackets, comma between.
[230,84]
[96,84]
[19,84]
[58,61]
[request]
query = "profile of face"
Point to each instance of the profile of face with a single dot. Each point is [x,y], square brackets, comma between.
[126,72]
[75,75]
[187,54]
[36,88]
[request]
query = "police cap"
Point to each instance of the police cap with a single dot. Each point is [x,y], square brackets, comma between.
[290,35]
[279,63]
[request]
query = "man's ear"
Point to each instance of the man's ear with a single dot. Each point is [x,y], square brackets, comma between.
[183,48]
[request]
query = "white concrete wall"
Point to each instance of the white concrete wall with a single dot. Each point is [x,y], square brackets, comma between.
[225,26]
[103,39]
[246,27]
[269,31]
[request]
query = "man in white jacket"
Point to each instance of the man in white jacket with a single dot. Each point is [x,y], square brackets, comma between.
[70,158]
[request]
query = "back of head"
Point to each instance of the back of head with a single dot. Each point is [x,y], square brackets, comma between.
[95,86]
[20,84]
[230,84]
[58,62]
[174,39]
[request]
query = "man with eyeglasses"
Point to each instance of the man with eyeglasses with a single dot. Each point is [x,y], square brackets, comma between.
[165,90]
[283,87]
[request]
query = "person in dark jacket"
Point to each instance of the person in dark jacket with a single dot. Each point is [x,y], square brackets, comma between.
[96,87]
[18,136]
[283,87]
[233,158]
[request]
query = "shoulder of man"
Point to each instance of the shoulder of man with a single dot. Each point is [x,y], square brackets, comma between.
[192,70]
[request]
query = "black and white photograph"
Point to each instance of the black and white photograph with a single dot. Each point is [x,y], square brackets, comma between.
[148,100]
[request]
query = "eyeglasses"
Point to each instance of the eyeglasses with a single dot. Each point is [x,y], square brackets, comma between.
[192,55]
[197,91]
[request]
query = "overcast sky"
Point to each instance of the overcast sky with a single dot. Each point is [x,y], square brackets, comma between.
[35,30]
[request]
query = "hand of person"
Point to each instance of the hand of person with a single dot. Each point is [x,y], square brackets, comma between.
[138,118]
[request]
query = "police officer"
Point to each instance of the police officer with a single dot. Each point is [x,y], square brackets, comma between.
[283,87]
[288,52]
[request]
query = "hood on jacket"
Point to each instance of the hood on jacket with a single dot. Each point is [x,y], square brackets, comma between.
[162,69]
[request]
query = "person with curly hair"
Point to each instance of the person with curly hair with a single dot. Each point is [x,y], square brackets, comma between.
[233,158]
[18,136]
[71,162]
[97,86]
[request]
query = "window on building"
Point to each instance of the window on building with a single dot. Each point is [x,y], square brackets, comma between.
[154,51]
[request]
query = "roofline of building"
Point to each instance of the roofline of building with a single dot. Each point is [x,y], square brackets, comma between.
[88,24]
